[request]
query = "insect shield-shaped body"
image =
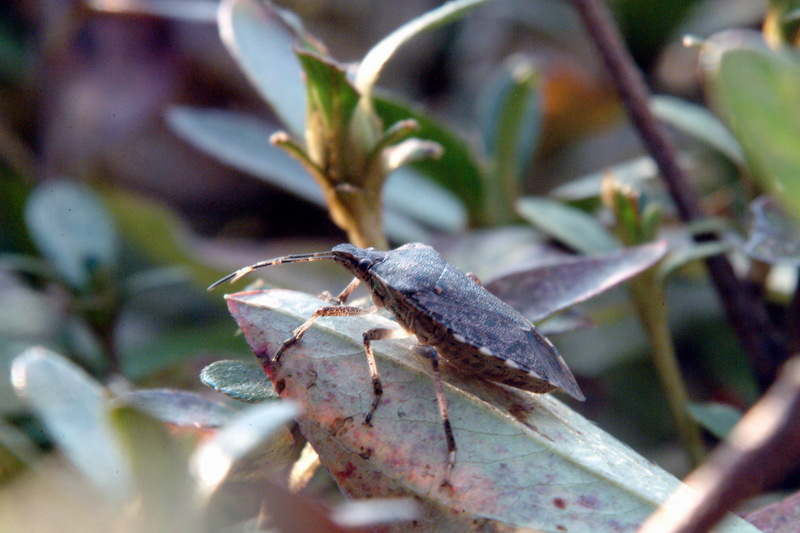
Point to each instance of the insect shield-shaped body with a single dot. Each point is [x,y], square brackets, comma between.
[470,328]
[451,315]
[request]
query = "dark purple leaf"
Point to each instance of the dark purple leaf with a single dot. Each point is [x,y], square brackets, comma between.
[542,291]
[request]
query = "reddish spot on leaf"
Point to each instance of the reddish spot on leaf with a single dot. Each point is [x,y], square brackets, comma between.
[560,503]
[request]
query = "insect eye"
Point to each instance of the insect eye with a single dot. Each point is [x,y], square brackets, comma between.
[365,263]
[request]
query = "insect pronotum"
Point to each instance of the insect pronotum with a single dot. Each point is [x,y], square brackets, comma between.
[451,315]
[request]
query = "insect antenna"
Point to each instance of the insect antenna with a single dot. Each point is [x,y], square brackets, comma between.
[299,258]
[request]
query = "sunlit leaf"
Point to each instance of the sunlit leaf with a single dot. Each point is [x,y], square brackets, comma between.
[689,252]
[72,406]
[410,194]
[542,291]
[183,10]
[263,43]
[567,224]
[512,446]
[73,231]
[213,460]
[371,66]
[240,380]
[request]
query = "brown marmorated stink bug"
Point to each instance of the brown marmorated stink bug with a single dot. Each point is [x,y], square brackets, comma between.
[450,313]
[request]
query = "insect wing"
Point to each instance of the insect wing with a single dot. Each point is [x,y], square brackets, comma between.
[485,321]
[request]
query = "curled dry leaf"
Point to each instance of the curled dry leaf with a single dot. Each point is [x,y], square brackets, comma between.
[524,460]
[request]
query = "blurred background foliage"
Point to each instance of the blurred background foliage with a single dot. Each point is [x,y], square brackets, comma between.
[136,168]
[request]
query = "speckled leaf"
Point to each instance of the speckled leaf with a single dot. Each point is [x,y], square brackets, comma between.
[524,460]
[542,291]
[239,380]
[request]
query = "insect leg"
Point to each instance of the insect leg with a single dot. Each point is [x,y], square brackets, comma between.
[377,334]
[337,310]
[344,295]
[429,352]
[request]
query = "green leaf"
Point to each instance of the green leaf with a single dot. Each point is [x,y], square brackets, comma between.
[567,224]
[263,42]
[717,418]
[180,408]
[73,409]
[698,122]
[371,66]
[759,95]
[511,128]
[239,380]
[73,231]
[456,170]
[330,92]
[513,446]
[541,291]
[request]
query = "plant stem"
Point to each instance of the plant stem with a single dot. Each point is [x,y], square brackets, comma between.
[746,313]
[650,300]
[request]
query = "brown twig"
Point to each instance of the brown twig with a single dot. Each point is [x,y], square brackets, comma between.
[758,453]
[746,313]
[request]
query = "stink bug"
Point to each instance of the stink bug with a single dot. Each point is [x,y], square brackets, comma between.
[450,313]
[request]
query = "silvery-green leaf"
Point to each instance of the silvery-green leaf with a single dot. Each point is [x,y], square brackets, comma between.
[244,381]
[178,407]
[697,121]
[73,409]
[568,225]
[512,446]
[263,43]
[73,231]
